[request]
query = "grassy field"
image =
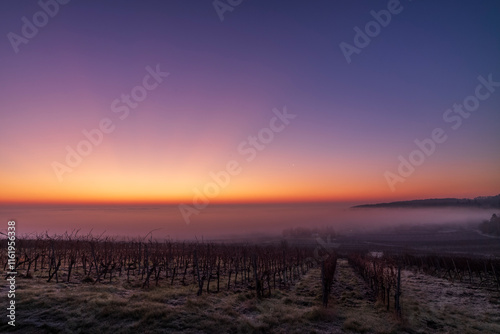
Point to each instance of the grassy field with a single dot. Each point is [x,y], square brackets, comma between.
[430,305]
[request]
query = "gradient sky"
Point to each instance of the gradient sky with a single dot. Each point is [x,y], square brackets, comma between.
[353,120]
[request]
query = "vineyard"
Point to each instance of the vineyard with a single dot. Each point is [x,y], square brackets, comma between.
[211,267]
[478,271]
[382,275]
[255,272]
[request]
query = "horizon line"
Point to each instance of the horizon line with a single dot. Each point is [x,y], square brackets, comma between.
[370,200]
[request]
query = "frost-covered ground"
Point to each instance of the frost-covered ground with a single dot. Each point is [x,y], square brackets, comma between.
[430,305]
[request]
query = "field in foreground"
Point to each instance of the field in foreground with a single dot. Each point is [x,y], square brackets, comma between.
[429,305]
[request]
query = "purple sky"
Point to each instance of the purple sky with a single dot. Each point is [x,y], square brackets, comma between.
[225,77]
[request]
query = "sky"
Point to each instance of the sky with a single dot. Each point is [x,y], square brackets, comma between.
[258,101]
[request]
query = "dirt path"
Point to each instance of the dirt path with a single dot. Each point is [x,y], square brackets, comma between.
[352,307]
[356,304]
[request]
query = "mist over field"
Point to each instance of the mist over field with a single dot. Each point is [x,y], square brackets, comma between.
[226,221]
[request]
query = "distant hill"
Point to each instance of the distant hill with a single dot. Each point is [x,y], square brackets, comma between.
[478,202]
